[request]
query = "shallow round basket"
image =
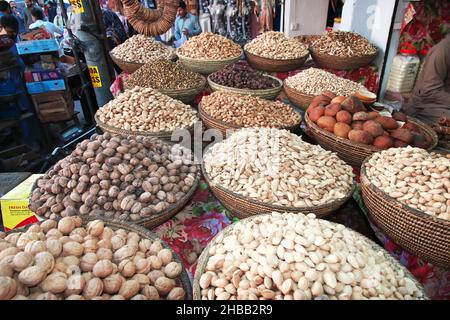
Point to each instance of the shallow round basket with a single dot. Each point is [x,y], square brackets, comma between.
[155,219]
[206,66]
[299,99]
[268,94]
[421,234]
[163,135]
[126,66]
[341,63]
[204,257]
[223,127]
[184,95]
[274,65]
[355,153]
[242,207]
[183,280]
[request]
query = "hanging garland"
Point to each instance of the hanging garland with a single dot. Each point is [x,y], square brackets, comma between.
[151,22]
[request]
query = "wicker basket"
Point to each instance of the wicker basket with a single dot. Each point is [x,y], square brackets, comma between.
[183,95]
[223,127]
[352,152]
[163,135]
[183,280]
[126,66]
[274,65]
[156,219]
[204,257]
[421,234]
[299,99]
[268,94]
[341,63]
[206,66]
[243,207]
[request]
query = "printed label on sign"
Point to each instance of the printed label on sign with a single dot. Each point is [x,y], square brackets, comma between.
[95,77]
[77,6]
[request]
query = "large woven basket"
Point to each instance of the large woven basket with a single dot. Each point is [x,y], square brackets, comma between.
[126,66]
[223,127]
[206,66]
[204,257]
[184,95]
[274,65]
[183,280]
[341,63]
[163,135]
[299,99]
[352,152]
[243,207]
[156,219]
[421,234]
[269,94]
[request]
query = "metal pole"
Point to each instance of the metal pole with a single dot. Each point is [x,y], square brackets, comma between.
[84,81]
[89,32]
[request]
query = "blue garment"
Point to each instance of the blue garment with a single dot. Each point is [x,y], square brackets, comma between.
[21,19]
[189,22]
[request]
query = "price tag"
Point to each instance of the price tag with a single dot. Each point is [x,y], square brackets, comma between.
[95,76]
[77,6]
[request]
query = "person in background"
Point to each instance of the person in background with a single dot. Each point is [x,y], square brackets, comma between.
[39,20]
[18,13]
[28,19]
[430,98]
[4,8]
[115,31]
[51,10]
[186,24]
[58,19]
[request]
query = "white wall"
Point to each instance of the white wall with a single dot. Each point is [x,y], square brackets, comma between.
[305,17]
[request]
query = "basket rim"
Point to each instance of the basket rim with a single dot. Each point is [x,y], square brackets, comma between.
[207,60]
[322,54]
[366,182]
[270,205]
[124,61]
[204,256]
[141,231]
[235,126]
[158,134]
[277,60]
[249,91]
[285,85]
[365,147]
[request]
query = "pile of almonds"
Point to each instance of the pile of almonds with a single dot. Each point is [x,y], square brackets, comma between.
[142,49]
[275,45]
[147,110]
[277,167]
[67,261]
[314,81]
[122,178]
[164,74]
[248,111]
[210,46]
[414,177]
[344,44]
[296,257]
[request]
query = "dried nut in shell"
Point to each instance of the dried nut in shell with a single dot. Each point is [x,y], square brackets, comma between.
[22,260]
[150,292]
[88,261]
[93,288]
[112,283]
[102,268]
[96,228]
[54,283]
[73,248]
[127,268]
[176,294]
[32,276]
[164,285]
[8,288]
[75,285]
[45,260]
[165,255]
[173,270]
[66,225]
[129,288]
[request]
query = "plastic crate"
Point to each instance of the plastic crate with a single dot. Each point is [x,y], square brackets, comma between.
[45,86]
[37,46]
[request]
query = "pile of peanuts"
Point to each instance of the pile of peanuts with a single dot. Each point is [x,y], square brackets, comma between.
[278,167]
[414,177]
[298,257]
[147,110]
[66,260]
[344,44]
[125,178]
[314,81]
[164,74]
[275,45]
[248,111]
[142,49]
[208,45]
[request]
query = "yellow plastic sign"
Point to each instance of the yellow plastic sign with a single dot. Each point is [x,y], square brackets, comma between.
[95,77]
[77,6]
[14,204]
